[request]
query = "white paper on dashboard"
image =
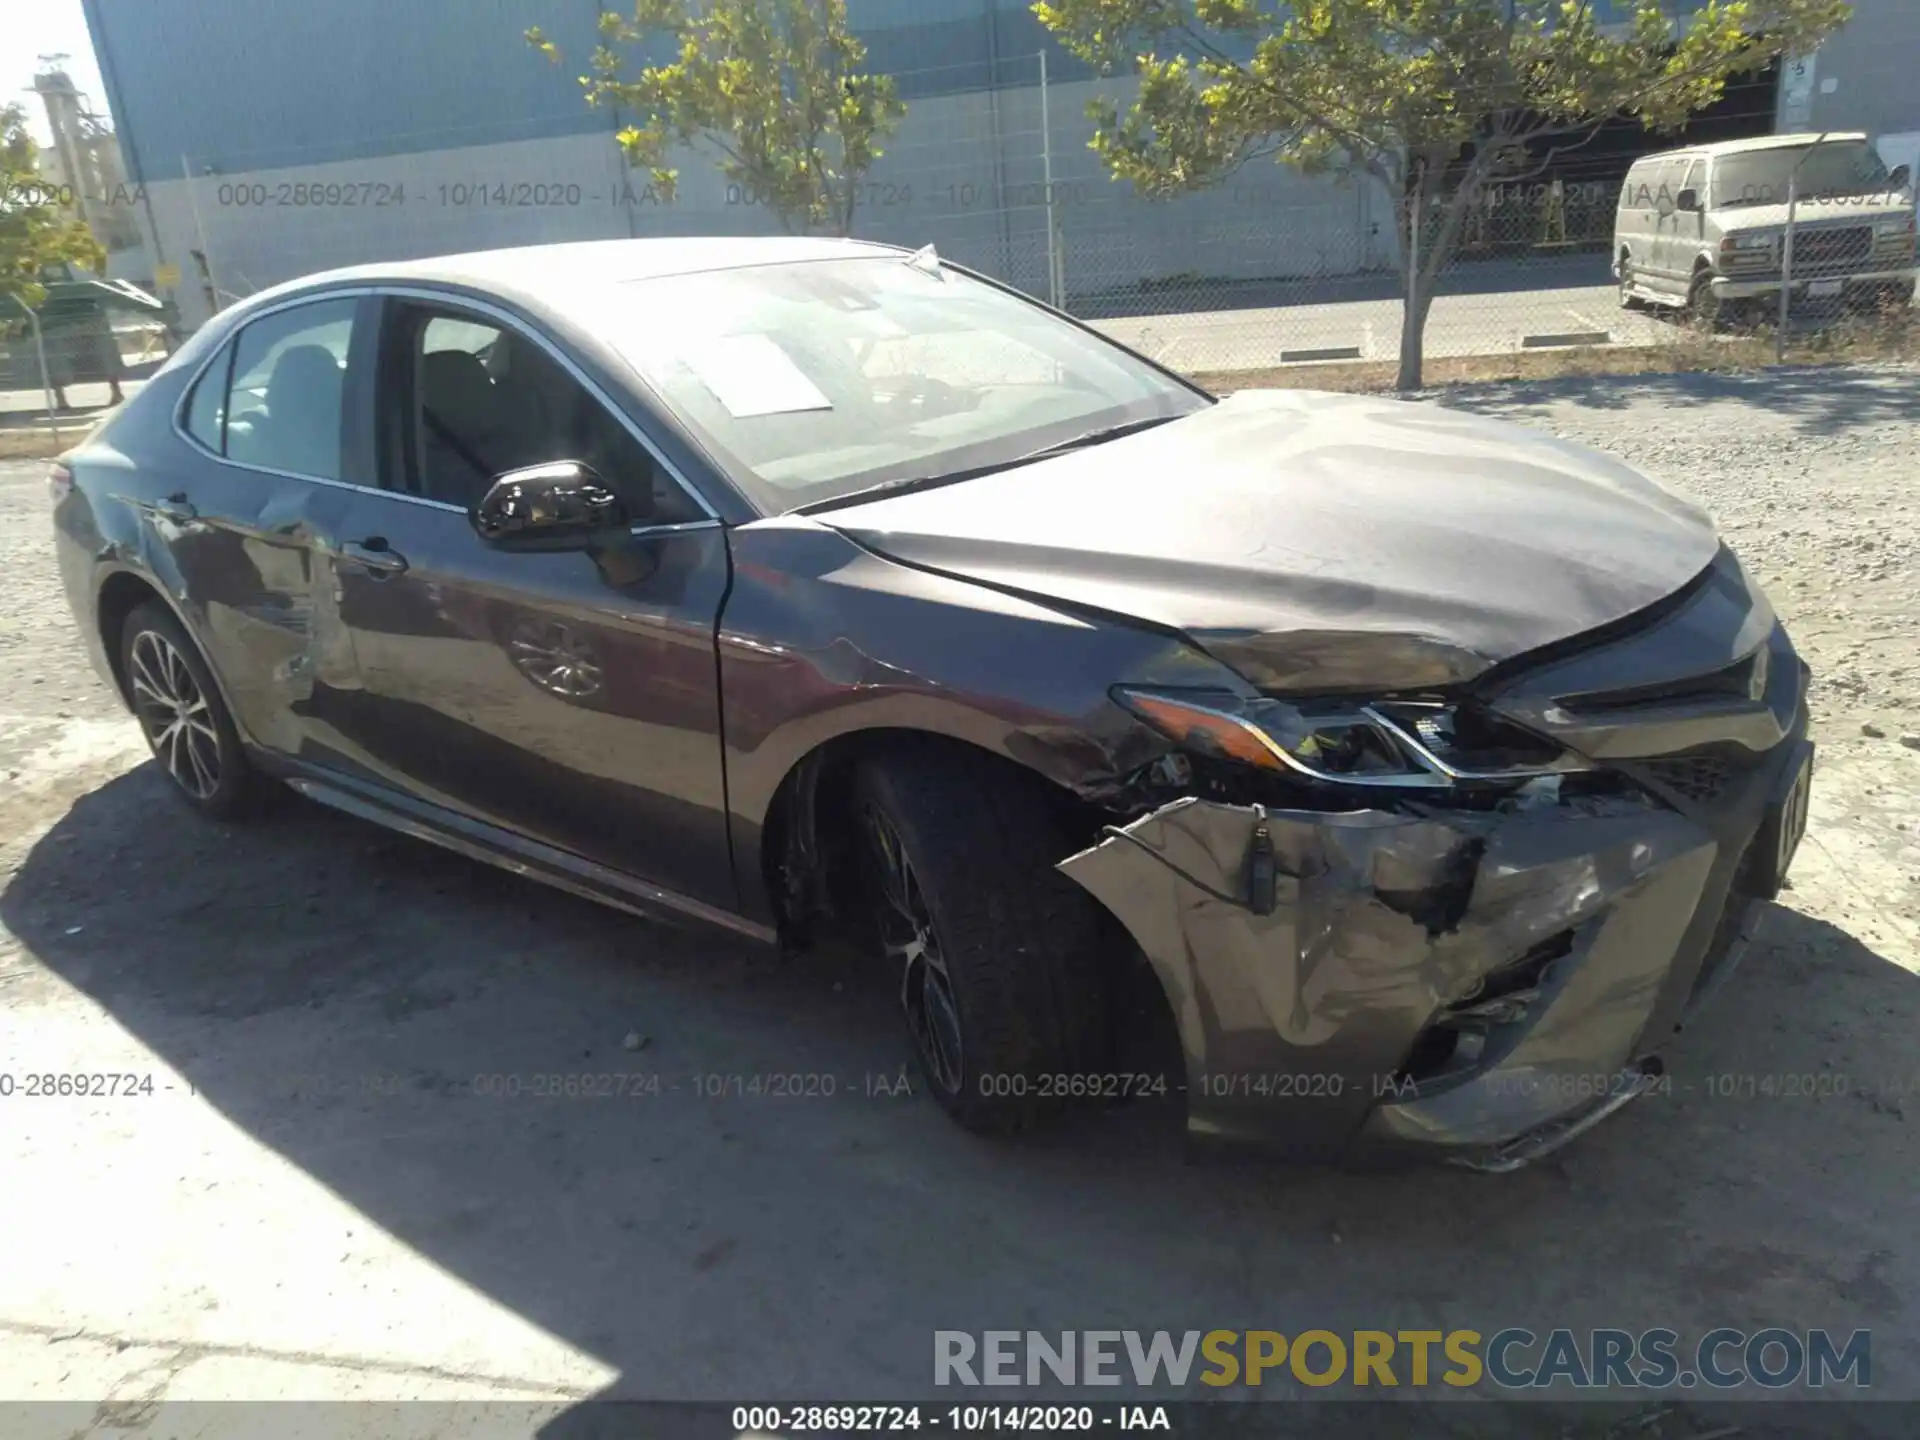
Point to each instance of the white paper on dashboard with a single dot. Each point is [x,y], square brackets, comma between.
[751,375]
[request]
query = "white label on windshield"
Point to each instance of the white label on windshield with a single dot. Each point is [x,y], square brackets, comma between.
[751,375]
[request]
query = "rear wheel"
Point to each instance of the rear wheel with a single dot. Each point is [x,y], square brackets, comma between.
[1628,300]
[183,717]
[998,954]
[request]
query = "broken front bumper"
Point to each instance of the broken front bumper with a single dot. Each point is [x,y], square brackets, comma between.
[1477,985]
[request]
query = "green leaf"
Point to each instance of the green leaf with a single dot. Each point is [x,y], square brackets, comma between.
[1370,86]
[772,90]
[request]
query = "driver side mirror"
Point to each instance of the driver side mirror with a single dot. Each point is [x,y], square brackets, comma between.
[1901,177]
[562,505]
[1687,200]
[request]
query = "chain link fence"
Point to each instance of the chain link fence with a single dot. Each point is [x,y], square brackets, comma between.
[57,376]
[992,165]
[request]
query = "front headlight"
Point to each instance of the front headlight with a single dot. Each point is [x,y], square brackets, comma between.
[1388,743]
[1899,229]
[1753,240]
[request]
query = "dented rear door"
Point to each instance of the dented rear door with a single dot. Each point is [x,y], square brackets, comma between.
[254,534]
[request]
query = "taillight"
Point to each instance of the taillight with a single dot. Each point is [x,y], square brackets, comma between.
[59,481]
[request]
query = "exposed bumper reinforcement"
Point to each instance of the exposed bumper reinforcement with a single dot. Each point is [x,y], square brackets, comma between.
[1626,1087]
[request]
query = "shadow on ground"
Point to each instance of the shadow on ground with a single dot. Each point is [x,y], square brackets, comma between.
[1818,399]
[336,991]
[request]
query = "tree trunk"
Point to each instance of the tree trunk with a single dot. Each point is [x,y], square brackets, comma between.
[1425,259]
[1416,293]
[1416,301]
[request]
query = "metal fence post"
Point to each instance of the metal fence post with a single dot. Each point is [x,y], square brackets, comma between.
[1056,272]
[46,375]
[1786,251]
[1786,270]
[200,230]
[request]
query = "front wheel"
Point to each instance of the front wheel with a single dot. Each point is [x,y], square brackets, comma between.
[1702,304]
[1628,299]
[183,717]
[997,953]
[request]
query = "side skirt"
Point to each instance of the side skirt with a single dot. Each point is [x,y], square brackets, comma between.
[533,859]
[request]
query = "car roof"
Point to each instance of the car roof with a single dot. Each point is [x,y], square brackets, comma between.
[1752,143]
[549,271]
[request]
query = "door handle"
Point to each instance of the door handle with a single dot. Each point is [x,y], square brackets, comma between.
[375,555]
[177,508]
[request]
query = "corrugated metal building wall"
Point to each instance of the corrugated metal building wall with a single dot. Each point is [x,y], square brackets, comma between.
[431,127]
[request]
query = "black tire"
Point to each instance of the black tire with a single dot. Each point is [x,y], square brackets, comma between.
[204,762]
[1890,299]
[1703,306]
[1018,943]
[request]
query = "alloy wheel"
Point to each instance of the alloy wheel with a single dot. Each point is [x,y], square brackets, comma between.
[907,933]
[176,716]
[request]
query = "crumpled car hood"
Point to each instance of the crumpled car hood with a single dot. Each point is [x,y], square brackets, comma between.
[1316,541]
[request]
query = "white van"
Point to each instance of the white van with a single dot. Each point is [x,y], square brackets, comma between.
[1703,227]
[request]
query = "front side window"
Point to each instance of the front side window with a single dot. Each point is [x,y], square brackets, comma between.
[1653,184]
[1694,178]
[288,386]
[484,399]
[815,379]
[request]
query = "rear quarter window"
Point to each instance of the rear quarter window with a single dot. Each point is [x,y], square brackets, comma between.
[1643,184]
[207,405]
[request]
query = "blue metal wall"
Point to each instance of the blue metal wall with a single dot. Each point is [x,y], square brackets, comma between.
[250,84]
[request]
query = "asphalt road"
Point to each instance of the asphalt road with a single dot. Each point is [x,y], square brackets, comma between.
[1474,324]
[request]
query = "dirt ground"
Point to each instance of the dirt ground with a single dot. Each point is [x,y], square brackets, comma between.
[315,1200]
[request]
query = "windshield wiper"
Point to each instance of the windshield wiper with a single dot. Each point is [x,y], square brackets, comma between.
[1097,436]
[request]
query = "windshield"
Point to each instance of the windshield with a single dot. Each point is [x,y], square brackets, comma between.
[1829,171]
[809,381]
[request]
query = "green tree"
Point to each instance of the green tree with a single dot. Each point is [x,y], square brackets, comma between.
[35,232]
[1420,95]
[773,89]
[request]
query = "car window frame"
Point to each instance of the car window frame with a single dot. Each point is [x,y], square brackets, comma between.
[204,376]
[354,451]
[1694,170]
[395,299]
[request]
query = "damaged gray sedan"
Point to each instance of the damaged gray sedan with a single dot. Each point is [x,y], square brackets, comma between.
[1430,764]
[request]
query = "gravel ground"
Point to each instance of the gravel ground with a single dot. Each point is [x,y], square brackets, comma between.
[312,1202]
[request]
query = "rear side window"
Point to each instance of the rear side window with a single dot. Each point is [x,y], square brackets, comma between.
[1634,195]
[1651,181]
[207,409]
[288,386]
